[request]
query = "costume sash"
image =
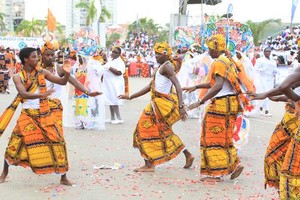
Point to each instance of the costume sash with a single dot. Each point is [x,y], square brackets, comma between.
[165,105]
[31,85]
[224,67]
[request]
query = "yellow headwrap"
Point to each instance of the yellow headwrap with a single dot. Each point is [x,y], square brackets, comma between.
[50,46]
[163,48]
[216,42]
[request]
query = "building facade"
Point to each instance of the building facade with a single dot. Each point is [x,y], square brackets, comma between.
[14,13]
[76,17]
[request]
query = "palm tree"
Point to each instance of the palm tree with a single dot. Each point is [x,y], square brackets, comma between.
[2,23]
[258,28]
[30,28]
[92,12]
[144,25]
[112,38]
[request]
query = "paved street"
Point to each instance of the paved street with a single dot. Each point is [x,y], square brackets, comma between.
[87,149]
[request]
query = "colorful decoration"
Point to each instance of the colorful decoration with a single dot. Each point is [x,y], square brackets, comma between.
[241,131]
[185,36]
[239,35]
[84,42]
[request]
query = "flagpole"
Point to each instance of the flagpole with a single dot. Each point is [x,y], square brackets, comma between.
[294,6]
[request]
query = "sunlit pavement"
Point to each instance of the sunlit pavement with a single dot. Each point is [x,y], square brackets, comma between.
[89,150]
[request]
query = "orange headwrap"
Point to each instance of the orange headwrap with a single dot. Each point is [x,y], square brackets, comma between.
[216,42]
[50,46]
[163,48]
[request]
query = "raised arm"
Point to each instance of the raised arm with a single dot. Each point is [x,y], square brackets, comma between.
[57,79]
[73,81]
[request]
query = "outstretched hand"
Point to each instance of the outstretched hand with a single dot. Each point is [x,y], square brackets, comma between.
[67,66]
[254,96]
[189,89]
[93,94]
[124,96]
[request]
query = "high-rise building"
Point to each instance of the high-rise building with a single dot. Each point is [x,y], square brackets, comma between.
[76,17]
[14,13]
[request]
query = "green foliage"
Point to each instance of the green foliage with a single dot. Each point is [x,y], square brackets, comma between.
[258,28]
[92,12]
[2,23]
[148,25]
[35,28]
[30,28]
[110,39]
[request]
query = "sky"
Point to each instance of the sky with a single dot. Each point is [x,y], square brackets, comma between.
[160,10]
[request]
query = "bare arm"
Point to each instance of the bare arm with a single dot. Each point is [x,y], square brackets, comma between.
[286,85]
[193,88]
[215,89]
[28,95]
[114,71]
[143,91]
[72,80]
[168,72]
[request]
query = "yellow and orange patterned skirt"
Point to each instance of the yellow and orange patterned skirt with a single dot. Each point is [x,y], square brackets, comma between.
[290,171]
[278,146]
[155,139]
[43,149]
[218,154]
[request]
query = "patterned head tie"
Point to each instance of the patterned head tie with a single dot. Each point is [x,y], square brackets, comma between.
[163,48]
[216,42]
[50,46]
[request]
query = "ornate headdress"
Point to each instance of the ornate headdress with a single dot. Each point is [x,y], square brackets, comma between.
[163,48]
[50,46]
[216,42]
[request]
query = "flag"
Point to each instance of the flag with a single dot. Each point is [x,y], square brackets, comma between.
[97,5]
[294,6]
[229,9]
[51,21]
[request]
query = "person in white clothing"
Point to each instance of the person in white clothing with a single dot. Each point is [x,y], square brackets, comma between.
[265,68]
[60,91]
[114,85]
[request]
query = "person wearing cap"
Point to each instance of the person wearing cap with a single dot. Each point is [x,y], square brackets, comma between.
[153,135]
[37,140]
[265,68]
[218,153]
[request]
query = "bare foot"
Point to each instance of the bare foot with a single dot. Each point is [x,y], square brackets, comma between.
[65,181]
[145,168]
[3,176]
[211,179]
[237,172]
[189,162]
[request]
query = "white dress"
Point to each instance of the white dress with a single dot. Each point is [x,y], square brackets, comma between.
[114,85]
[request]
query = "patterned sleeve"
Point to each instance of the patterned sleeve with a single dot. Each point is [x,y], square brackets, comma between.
[219,68]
